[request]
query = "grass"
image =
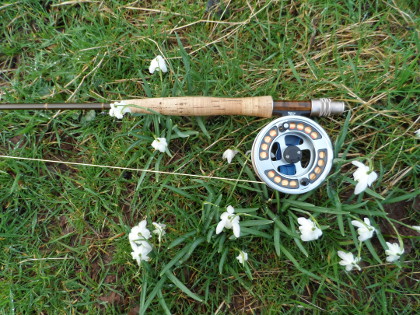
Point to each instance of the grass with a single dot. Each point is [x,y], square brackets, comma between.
[64,227]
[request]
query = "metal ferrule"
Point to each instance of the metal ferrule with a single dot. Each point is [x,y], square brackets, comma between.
[326,107]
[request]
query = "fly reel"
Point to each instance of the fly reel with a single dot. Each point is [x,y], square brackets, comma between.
[292,154]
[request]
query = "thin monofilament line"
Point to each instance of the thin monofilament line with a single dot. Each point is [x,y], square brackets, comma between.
[131,169]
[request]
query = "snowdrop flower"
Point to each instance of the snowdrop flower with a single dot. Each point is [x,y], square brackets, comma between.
[393,252]
[141,252]
[417,133]
[365,230]
[364,177]
[349,260]
[158,64]
[229,155]
[118,110]
[309,230]
[242,257]
[139,233]
[160,144]
[159,230]
[138,237]
[229,220]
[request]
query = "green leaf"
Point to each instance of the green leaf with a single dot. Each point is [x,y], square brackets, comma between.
[297,239]
[245,231]
[290,256]
[181,239]
[374,194]
[182,286]
[246,210]
[402,198]
[152,295]
[203,128]
[174,260]
[193,246]
[373,251]
[256,222]
[145,85]
[222,260]
[310,207]
[276,236]
[163,303]
[343,133]
[143,292]
[183,134]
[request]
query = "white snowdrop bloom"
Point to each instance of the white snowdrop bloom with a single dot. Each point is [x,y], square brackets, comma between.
[348,260]
[159,230]
[229,154]
[229,220]
[242,257]
[118,110]
[416,227]
[138,237]
[364,177]
[308,229]
[141,252]
[158,64]
[365,230]
[393,252]
[417,133]
[160,144]
[139,233]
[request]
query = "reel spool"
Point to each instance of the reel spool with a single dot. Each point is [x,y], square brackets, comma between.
[292,154]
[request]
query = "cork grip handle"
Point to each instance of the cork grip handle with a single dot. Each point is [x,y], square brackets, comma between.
[261,106]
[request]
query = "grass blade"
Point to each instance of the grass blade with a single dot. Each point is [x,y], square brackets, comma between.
[182,286]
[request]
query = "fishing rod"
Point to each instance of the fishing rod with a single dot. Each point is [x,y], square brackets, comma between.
[292,154]
[259,106]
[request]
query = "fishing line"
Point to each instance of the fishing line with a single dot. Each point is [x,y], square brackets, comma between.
[131,169]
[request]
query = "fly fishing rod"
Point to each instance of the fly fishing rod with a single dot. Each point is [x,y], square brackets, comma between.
[259,106]
[292,154]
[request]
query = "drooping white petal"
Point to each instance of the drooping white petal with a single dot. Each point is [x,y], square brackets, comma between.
[236,229]
[305,223]
[348,260]
[139,233]
[360,186]
[393,252]
[220,227]
[229,154]
[357,223]
[159,230]
[141,252]
[365,229]
[309,230]
[371,178]
[118,109]
[358,164]
[138,240]
[229,220]
[160,144]
[158,64]
[242,257]
[230,209]
[364,177]
[346,257]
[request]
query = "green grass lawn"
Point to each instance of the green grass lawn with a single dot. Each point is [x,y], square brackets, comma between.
[64,227]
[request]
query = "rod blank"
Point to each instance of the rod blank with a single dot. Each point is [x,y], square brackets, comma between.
[57,106]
